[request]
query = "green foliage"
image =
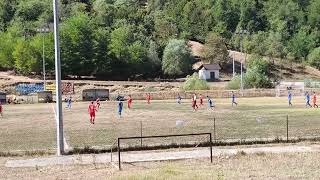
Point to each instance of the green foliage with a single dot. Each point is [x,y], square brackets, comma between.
[235,83]
[194,83]
[24,57]
[259,63]
[255,79]
[314,58]
[176,58]
[257,73]
[121,39]
[301,44]
[215,50]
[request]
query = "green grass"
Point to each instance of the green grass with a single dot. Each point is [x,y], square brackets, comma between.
[32,127]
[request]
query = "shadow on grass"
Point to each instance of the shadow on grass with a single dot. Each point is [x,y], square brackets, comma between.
[90,150]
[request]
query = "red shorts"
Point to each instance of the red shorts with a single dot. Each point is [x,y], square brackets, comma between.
[92,114]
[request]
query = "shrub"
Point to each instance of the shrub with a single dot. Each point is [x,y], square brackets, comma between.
[194,83]
[255,79]
[257,73]
[234,83]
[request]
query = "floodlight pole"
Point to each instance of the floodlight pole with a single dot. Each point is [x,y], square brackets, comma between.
[59,121]
[43,64]
[241,33]
[233,66]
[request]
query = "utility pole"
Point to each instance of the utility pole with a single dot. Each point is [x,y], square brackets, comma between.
[59,120]
[233,66]
[43,31]
[241,33]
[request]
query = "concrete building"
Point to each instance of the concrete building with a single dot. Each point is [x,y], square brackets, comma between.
[209,72]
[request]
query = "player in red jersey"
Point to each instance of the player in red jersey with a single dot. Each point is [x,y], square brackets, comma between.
[129,102]
[148,98]
[314,99]
[201,99]
[92,111]
[1,109]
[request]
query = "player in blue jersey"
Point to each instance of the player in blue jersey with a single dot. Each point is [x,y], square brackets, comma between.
[290,98]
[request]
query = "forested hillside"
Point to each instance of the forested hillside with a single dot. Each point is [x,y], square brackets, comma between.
[121,39]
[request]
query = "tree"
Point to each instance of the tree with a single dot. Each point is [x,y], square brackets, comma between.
[274,46]
[121,38]
[314,14]
[257,73]
[301,44]
[77,46]
[7,11]
[25,62]
[176,58]
[215,50]
[165,28]
[103,61]
[314,57]
[153,57]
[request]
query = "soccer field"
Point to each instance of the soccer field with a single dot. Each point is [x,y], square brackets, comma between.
[32,126]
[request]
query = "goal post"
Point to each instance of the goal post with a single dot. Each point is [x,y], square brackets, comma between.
[162,136]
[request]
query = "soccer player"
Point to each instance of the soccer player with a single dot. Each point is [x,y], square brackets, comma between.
[308,100]
[120,106]
[233,96]
[290,98]
[69,101]
[129,102]
[1,109]
[210,103]
[98,103]
[148,98]
[314,100]
[194,102]
[92,111]
[179,99]
[201,99]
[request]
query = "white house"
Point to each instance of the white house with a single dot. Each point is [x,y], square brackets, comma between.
[209,71]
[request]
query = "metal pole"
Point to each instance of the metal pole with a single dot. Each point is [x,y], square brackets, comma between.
[211,147]
[233,67]
[241,85]
[119,154]
[43,63]
[287,128]
[141,132]
[59,121]
[214,130]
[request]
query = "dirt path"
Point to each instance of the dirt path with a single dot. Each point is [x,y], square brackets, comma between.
[145,156]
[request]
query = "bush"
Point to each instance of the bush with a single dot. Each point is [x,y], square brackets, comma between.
[258,62]
[257,73]
[255,79]
[194,83]
[234,83]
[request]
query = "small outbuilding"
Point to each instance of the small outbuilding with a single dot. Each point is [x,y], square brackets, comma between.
[209,72]
[45,96]
[3,97]
[93,94]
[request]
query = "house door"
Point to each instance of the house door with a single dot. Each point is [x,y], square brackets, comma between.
[212,75]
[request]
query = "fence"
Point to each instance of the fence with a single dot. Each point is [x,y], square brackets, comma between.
[218,93]
[226,129]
